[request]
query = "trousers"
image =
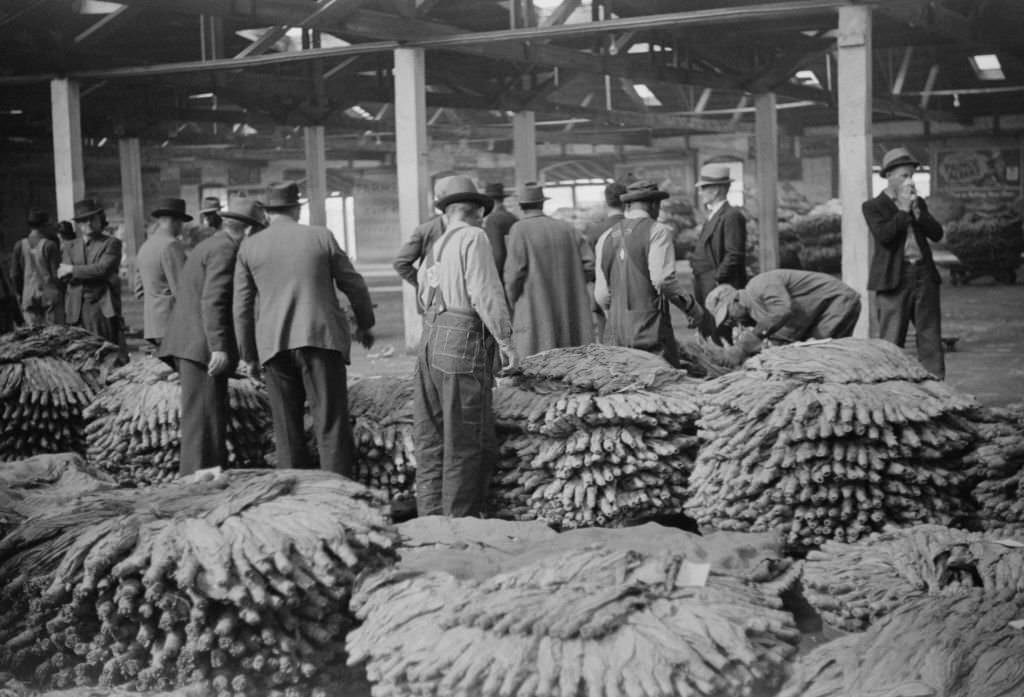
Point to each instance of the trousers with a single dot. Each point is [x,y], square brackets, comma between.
[456,445]
[838,319]
[318,375]
[916,300]
[204,417]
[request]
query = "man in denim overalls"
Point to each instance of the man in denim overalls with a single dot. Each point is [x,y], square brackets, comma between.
[465,320]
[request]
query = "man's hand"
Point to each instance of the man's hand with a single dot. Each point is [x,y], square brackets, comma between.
[695,315]
[250,368]
[64,270]
[906,196]
[748,343]
[218,363]
[366,338]
[509,358]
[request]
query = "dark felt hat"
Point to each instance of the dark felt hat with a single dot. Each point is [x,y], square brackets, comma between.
[531,192]
[897,157]
[458,189]
[643,190]
[173,207]
[613,194]
[37,218]
[211,204]
[281,196]
[85,209]
[247,210]
[495,190]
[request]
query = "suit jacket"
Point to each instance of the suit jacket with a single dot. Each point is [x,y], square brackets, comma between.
[416,248]
[889,226]
[157,267]
[294,270]
[201,322]
[94,278]
[497,225]
[722,247]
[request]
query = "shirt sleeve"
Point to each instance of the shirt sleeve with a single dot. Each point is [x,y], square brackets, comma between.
[661,259]
[601,294]
[483,285]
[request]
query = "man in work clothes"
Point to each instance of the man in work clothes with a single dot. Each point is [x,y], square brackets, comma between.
[90,265]
[497,224]
[157,267]
[34,265]
[636,279]
[546,274]
[411,254]
[902,271]
[784,305]
[613,214]
[200,339]
[720,254]
[300,334]
[466,315]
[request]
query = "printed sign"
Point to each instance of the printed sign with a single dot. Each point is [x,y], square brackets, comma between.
[985,179]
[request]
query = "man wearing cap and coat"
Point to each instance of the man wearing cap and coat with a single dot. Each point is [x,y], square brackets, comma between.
[902,272]
[497,224]
[200,340]
[636,280]
[546,274]
[157,266]
[299,332]
[34,264]
[719,255]
[412,253]
[465,321]
[90,265]
[209,218]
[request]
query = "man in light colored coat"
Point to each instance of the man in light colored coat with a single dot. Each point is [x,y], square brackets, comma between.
[298,333]
[157,267]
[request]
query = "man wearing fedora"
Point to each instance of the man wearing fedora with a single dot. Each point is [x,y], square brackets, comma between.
[613,214]
[34,264]
[412,253]
[465,321]
[158,265]
[90,265]
[902,271]
[719,255]
[636,280]
[546,274]
[299,332]
[200,340]
[498,223]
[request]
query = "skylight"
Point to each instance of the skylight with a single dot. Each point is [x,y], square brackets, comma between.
[987,67]
[807,77]
[645,94]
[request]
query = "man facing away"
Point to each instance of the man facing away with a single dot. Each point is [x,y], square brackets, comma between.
[902,271]
[547,271]
[200,339]
[413,251]
[497,224]
[157,267]
[300,334]
[34,265]
[465,320]
[613,214]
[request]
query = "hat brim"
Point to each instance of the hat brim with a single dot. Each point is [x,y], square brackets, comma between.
[903,161]
[280,206]
[479,199]
[720,182]
[644,196]
[207,211]
[86,216]
[244,218]
[542,199]
[174,214]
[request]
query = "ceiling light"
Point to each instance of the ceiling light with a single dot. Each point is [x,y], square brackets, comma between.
[645,94]
[987,67]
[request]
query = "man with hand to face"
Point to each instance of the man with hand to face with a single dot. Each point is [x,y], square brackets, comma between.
[902,271]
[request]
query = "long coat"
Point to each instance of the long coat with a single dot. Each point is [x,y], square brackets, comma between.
[294,270]
[158,265]
[201,320]
[546,276]
[94,280]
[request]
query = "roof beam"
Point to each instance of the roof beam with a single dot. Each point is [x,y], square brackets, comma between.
[102,28]
[266,42]
[561,13]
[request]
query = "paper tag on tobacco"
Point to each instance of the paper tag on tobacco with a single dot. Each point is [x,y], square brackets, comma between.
[1017,624]
[693,574]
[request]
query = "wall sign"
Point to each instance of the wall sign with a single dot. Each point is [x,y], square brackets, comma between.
[985,179]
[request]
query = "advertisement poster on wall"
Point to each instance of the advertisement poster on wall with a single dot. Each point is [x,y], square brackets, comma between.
[987,180]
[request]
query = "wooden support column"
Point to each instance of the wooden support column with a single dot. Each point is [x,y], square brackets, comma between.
[131,199]
[68,171]
[411,149]
[524,146]
[767,132]
[854,81]
[316,174]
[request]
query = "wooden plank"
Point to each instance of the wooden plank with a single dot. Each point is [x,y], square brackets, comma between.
[767,130]
[316,174]
[130,155]
[901,74]
[854,78]
[524,144]
[411,146]
[69,173]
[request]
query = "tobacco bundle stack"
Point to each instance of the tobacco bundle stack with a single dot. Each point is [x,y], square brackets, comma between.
[852,585]
[594,435]
[966,644]
[596,622]
[238,582]
[997,464]
[91,355]
[133,427]
[381,410]
[830,440]
[41,403]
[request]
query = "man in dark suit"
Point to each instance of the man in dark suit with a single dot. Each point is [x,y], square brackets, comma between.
[90,265]
[200,339]
[902,272]
[721,250]
[497,224]
[300,334]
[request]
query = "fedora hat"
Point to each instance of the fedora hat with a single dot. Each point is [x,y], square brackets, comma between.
[718,301]
[173,207]
[495,190]
[211,204]
[460,188]
[281,196]
[37,218]
[247,210]
[85,209]
[897,157]
[643,190]
[531,192]
[714,175]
